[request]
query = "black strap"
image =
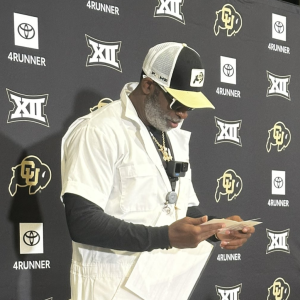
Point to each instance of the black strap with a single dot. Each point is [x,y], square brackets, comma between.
[172,179]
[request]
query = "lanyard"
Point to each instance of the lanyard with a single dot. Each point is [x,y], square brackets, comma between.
[171,196]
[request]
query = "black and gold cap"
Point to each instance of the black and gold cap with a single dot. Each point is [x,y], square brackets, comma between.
[178,68]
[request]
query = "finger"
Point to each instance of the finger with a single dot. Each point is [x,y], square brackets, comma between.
[248,229]
[213,225]
[204,219]
[208,235]
[204,234]
[232,244]
[198,221]
[211,228]
[208,227]
[235,218]
[239,235]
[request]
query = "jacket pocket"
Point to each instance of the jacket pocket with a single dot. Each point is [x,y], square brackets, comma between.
[138,187]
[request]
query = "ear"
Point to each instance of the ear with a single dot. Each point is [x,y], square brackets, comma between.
[147,85]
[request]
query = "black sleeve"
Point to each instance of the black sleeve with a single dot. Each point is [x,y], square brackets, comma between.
[89,224]
[195,212]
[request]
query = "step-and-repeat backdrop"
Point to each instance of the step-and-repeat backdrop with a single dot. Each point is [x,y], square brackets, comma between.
[59,58]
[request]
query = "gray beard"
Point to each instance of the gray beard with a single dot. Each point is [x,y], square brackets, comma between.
[154,114]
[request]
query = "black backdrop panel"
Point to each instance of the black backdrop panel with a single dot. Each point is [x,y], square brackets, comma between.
[244,154]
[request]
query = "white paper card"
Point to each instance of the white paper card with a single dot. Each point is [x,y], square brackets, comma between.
[168,274]
[232,225]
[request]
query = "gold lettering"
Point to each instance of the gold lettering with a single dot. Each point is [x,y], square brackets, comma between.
[227,18]
[29,173]
[228,183]
[278,135]
[277,290]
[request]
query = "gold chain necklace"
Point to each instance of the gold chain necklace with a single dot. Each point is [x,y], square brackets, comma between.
[162,148]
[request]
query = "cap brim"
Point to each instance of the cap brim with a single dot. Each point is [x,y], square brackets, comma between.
[190,99]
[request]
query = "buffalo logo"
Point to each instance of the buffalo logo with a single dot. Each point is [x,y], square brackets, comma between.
[197,77]
[228,131]
[278,241]
[170,9]
[30,172]
[278,85]
[279,136]
[103,53]
[229,293]
[228,19]
[279,290]
[229,184]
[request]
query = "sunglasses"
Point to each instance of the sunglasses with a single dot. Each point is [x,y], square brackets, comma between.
[174,104]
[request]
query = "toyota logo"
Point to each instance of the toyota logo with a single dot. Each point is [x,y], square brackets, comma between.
[31,238]
[278,182]
[278,26]
[26,31]
[228,70]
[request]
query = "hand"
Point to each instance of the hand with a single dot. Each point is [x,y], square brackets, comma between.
[233,239]
[187,232]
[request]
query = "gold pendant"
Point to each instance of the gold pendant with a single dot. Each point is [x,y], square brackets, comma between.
[162,148]
[166,156]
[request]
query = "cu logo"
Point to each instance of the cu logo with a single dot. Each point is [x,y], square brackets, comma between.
[32,173]
[279,136]
[228,19]
[228,70]
[229,184]
[31,238]
[278,26]
[26,31]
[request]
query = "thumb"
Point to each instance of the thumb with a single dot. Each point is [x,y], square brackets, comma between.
[198,221]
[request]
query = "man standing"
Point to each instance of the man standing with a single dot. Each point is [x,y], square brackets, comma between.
[125,167]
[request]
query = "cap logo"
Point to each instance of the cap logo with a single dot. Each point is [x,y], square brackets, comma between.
[159,76]
[197,77]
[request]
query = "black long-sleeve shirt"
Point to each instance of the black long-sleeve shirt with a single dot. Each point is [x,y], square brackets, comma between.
[89,224]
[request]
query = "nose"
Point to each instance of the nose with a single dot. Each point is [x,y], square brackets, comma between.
[182,113]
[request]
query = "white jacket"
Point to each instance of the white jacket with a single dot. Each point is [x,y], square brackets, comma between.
[109,158]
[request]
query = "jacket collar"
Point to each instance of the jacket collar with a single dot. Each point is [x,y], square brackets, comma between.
[179,138]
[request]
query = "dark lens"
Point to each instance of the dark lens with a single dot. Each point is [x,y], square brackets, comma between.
[178,105]
[184,167]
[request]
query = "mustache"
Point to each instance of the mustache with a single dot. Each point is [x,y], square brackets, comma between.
[176,120]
